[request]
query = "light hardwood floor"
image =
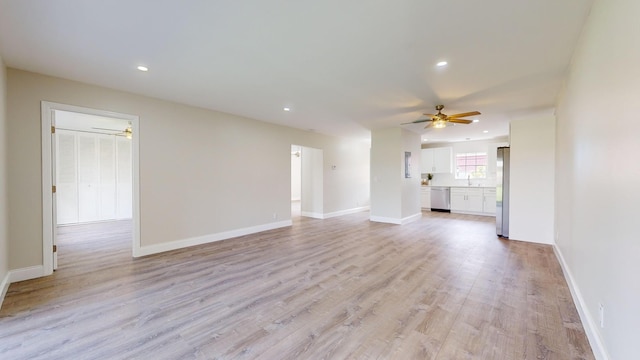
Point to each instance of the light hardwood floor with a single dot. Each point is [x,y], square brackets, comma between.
[443,287]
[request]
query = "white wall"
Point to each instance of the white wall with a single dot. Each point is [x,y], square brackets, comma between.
[4,200]
[532,179]
[597,175]
[394,198]
[202,172]
[488,146]
[410,186]
[386,174]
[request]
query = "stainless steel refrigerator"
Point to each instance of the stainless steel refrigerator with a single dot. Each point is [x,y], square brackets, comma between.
[502,192]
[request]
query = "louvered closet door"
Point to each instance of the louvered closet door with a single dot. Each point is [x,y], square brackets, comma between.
[67,178]
[107,205]
[88,178]
[124,178]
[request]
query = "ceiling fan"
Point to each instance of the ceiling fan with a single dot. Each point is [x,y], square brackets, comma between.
[440,120]
[127,132]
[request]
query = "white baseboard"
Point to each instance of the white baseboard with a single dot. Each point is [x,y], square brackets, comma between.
[312,214]
[199,240]
[28,273]
[588,322]
[396,221]
[4,286]
[335,213]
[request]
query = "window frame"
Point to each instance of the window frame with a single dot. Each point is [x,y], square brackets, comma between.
[478,171]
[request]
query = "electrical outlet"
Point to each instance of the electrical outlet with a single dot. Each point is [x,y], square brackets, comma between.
[601,314]
[275,215]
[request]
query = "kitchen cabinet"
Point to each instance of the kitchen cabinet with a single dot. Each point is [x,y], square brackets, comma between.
[472,200]
[436,160]
[467,200]
[489,201]
[425,197]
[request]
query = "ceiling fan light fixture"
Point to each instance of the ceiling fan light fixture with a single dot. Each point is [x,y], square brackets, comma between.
[439,124]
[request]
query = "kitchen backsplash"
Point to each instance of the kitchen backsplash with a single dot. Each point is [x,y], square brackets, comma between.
[450,180]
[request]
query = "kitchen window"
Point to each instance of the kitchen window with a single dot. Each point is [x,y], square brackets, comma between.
[471,165]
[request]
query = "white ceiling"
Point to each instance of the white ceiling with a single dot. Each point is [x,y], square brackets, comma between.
[343,67]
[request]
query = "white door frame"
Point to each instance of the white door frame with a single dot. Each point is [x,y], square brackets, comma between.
[49,220]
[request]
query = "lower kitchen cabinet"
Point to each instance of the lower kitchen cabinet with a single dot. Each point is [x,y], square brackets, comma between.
[469,200]
[489,203]
[425,197]
[466,200]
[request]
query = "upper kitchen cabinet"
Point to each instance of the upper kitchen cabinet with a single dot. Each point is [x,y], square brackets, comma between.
[437,160]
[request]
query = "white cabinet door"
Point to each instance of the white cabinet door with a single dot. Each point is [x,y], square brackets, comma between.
[467,200]
[436,160]
[425,197]
[442,159]
[458,199]
[489,205]
[426,161]
[474,200]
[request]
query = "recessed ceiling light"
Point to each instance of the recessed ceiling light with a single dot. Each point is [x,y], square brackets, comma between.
[286,109]
[442,63]
[143,68]
[486,131]
[476,120]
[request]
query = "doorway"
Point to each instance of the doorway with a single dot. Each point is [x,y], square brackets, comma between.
[90,173]
[307,182]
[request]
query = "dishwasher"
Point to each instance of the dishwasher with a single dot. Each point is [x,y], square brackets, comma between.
[440,198]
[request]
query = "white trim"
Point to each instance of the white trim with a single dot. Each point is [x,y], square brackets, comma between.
[411,218]
[312,214]
[387,220]
[346,212]
[47,109]
[333,214]
[589,324]
[28,273]
[4,286]
[205,239]
[396,221]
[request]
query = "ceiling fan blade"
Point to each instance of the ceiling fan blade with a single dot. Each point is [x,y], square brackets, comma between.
[429,125]
[470,113]
[416,121]
[460,121]
[429,115]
